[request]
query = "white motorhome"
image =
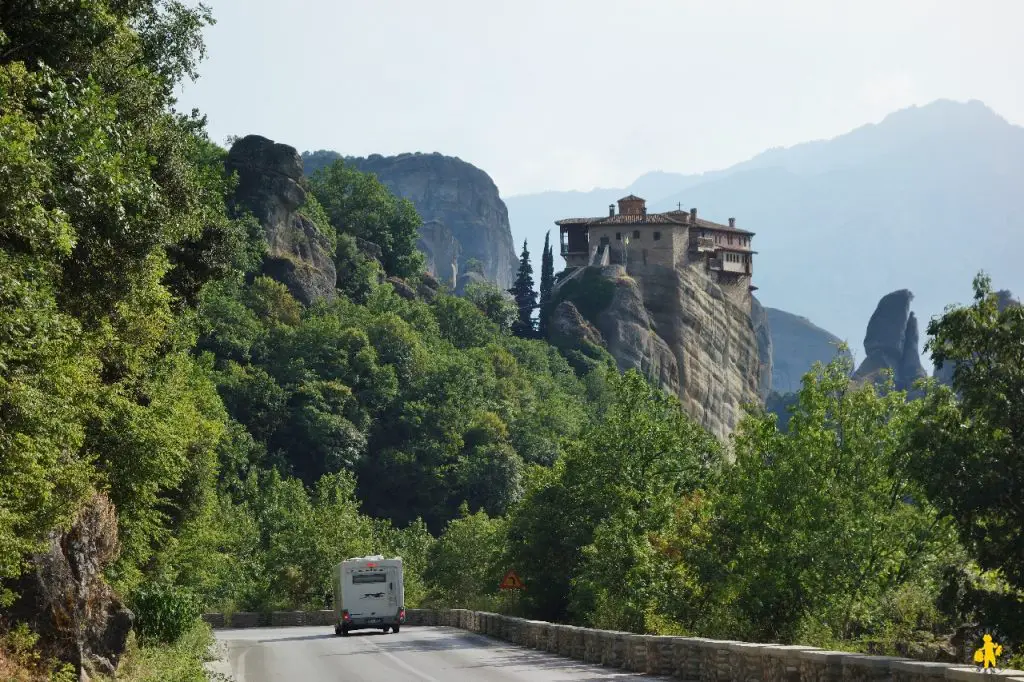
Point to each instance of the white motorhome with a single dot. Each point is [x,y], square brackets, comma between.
[368,593]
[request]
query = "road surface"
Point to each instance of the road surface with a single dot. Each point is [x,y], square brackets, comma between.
[416,654]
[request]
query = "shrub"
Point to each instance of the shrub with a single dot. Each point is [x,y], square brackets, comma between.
[164,612]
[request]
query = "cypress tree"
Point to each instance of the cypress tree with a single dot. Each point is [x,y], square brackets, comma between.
[547,284]
[524,295]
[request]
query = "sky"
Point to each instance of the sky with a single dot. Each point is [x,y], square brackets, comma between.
[574,94]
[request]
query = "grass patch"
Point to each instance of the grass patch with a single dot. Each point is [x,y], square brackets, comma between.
[181,661]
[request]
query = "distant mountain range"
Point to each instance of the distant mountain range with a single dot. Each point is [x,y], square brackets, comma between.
[920,201]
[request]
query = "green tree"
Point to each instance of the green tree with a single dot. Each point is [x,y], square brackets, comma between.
[819,526]
[622,473]
[112,220]
[464,569]
[547,285]
[969,445]
[358,204]
[493,303]
[524,295]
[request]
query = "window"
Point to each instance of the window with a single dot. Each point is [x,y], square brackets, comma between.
[657,236]
[364,578]
[636,234]
[618,236]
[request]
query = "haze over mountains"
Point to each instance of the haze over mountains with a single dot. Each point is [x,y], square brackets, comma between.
[921,201]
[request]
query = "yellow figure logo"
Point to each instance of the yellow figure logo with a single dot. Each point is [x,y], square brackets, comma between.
[988,653]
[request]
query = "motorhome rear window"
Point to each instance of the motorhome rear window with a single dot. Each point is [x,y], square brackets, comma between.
[363,578]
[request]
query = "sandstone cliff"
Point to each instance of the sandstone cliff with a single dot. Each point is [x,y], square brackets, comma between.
[797,344]
[679,329]
[891,342]
[270,186]
[765,347]
[463,216]
[469,219]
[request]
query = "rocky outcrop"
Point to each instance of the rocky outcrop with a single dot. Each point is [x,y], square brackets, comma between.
[464,218]
[944,374]
[765,346]
[892,342]
[797,344]
[629,333]
[679,329]
[577,339]
[270,186]
[67,600]
[567,325]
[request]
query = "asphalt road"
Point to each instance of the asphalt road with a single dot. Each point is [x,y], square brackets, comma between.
[420,654]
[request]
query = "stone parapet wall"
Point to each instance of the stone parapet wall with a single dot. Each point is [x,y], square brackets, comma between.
[693,659]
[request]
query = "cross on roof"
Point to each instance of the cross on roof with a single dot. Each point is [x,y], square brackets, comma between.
[679,206]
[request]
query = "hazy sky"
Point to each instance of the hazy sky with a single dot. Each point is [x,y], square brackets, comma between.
[572,94]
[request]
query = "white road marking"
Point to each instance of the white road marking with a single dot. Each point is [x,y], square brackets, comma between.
[403,665]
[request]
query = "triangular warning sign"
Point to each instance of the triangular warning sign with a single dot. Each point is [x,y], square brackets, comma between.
[511,581]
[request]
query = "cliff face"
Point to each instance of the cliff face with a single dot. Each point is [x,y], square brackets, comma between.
[269,176]
[679,329]
[892,341]
[765,347]
[796,345]
[464,218]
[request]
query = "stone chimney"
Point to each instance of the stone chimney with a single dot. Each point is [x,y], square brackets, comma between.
[732,222]
[611,210]
[693,216]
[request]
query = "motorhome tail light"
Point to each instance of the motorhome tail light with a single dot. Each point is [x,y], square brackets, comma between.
[345,616]
[401,615]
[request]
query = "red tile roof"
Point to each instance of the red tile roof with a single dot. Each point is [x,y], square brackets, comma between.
[669,218]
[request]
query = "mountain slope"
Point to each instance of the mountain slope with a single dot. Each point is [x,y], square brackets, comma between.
[797,343]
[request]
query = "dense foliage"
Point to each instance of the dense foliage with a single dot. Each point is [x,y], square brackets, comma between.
[250,442]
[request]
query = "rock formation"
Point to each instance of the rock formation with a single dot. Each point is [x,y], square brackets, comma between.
[441,249]
[676,327]
[67,600]
[796,345]
[765,347]
[270,186]
[892,342]
[464,218]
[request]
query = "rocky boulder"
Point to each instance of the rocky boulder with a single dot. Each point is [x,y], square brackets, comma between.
[270,185]
[797,344]
[68,602]
[402,288]
[464,217]
[892,342]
